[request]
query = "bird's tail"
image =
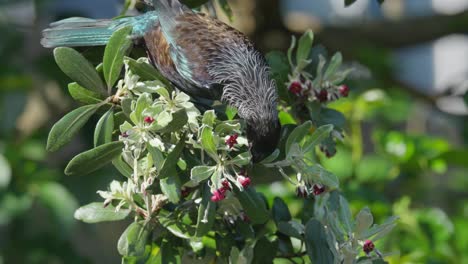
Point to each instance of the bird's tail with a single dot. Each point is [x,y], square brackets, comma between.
[78,31]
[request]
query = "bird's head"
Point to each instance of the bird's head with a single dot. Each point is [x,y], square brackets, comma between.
[263,137]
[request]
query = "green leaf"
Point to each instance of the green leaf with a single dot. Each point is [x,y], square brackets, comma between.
[133,240]
[93,159]
[316,241]
[73,64]
[253,204]
[201,173]
[179,120]
[291,228]
[83,95]
[61,203]
[263,251]
[117,47]
[364,220]
[127,106]
[286,118]
[63,131]
[104,128]
[297,135]
[304,46]
[209,118]
[378,231]
[242,159]
[208,142]
[206,213]
[96,213]
[5,172]
[345,215]
[171,159]
[280,211]
[318,136]
[122,167]
[231,112]
[170,186]
[290,51]
[145,71]
[333,66]
[316,173]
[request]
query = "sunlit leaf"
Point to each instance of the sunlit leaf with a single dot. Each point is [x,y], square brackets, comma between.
[95,213]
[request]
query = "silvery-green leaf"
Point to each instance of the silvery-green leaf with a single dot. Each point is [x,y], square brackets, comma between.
[209,118]
[242,159]
[304,46]
[364,220]
[201,173]
[96,213]
[335,63]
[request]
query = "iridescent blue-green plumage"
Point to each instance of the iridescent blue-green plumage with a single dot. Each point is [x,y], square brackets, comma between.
[199,54]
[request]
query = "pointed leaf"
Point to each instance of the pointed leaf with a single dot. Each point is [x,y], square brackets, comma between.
[179,120]
[83,95]
[364,220]
[297,135]
[206,213]
[201,173]
[73,64]
[133,240]
[170,186]
[317,246]
[333,66]
[96,213]
[280,211]
[117,47]
[242,159]
[253,204]
[171,159]
[304,46]
[63,131]
[94,159]
[104,128]
[145,71]
[208,143]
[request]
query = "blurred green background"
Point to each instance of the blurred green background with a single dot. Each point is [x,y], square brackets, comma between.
[405,151]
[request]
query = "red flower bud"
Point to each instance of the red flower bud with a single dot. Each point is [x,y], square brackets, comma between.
[124,134]
[368,246]
[295,88]
[218,195]
[344,90]
[148,119]
[232,140]
[244,181]
[318,189]
[226,185]
[322,96]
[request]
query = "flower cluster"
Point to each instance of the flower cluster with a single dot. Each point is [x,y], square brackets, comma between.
[305,190]
[220,193]
[302,86]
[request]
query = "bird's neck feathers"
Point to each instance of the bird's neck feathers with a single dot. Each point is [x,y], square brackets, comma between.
[247,84]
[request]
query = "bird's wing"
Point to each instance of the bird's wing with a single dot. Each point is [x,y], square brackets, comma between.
[196,41]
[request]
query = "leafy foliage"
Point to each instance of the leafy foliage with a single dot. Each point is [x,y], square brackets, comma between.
[188,174]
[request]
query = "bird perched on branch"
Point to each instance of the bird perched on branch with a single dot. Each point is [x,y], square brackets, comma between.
[200,55]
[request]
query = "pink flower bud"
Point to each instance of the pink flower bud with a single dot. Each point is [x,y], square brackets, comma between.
[148,119]
[244,181]
[232,140]
[344,90]
[218,195]
[368,246]
[318,189]
[322,96]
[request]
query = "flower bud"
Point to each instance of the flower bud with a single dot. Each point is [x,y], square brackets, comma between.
[245,181]
[218,195]
[226,185]
[148,119]
[232,140]
[344,90]
[368,246]
[318,189]
[322,96]
[295,88]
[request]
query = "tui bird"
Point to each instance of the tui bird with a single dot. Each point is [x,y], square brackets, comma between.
[200,55]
